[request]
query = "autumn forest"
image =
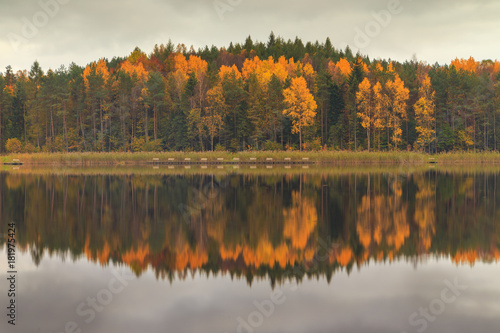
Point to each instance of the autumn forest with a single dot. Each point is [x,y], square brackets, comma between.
[274,95]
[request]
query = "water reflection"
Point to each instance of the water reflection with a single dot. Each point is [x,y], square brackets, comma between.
[277,226]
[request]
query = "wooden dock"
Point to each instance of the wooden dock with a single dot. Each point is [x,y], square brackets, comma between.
[234,161]
[14,162]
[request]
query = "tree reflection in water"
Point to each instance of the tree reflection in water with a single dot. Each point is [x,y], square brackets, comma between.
[256,225]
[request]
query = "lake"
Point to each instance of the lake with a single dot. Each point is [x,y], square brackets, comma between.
[322,249]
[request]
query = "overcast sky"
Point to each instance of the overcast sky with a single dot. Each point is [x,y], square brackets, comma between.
[59,32]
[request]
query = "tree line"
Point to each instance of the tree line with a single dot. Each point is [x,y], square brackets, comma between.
[279,95]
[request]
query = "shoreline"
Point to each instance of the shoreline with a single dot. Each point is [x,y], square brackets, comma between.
[224,170]
[260,157]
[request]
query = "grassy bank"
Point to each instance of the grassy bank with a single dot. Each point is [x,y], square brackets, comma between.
[144,157]
[117,158]
[468,157]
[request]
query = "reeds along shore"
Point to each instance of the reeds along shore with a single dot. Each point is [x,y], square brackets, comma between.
[320,157]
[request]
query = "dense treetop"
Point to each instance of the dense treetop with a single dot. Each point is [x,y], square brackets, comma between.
[251,96]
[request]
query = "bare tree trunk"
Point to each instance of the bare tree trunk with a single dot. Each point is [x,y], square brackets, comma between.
[1,149]
[322,123]
[24,122]
[154,122]
[368,132]
[300,137]
[122,121]
[235,129]
[485,143]
[146,126]
[395,142]
[95,129]
[109,141]
[435,133]
[274,129]
[355,136]
[453,129]
[105,130]
[65,129]
[37,134]
[200,134]
[83,132]
[282,137]
[388,138]
[52,124]
[326,126]
[474,141]
[102,126]
[46,126]
[407,138]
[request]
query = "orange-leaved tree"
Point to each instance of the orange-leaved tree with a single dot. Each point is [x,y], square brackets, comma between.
[300,106]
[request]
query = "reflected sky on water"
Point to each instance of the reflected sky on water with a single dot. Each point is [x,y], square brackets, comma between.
[353,251]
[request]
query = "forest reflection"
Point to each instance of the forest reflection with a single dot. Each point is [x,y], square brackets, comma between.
[253,226]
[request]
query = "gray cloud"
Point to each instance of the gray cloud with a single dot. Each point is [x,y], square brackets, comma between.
[83,31]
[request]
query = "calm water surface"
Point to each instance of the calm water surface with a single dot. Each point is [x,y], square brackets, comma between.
[253,250]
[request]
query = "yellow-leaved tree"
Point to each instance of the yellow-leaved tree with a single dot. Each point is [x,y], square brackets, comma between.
[214,112]
[425,113]
[397,97]
[364,100]
[379,110]
[300,106]
[372,104]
